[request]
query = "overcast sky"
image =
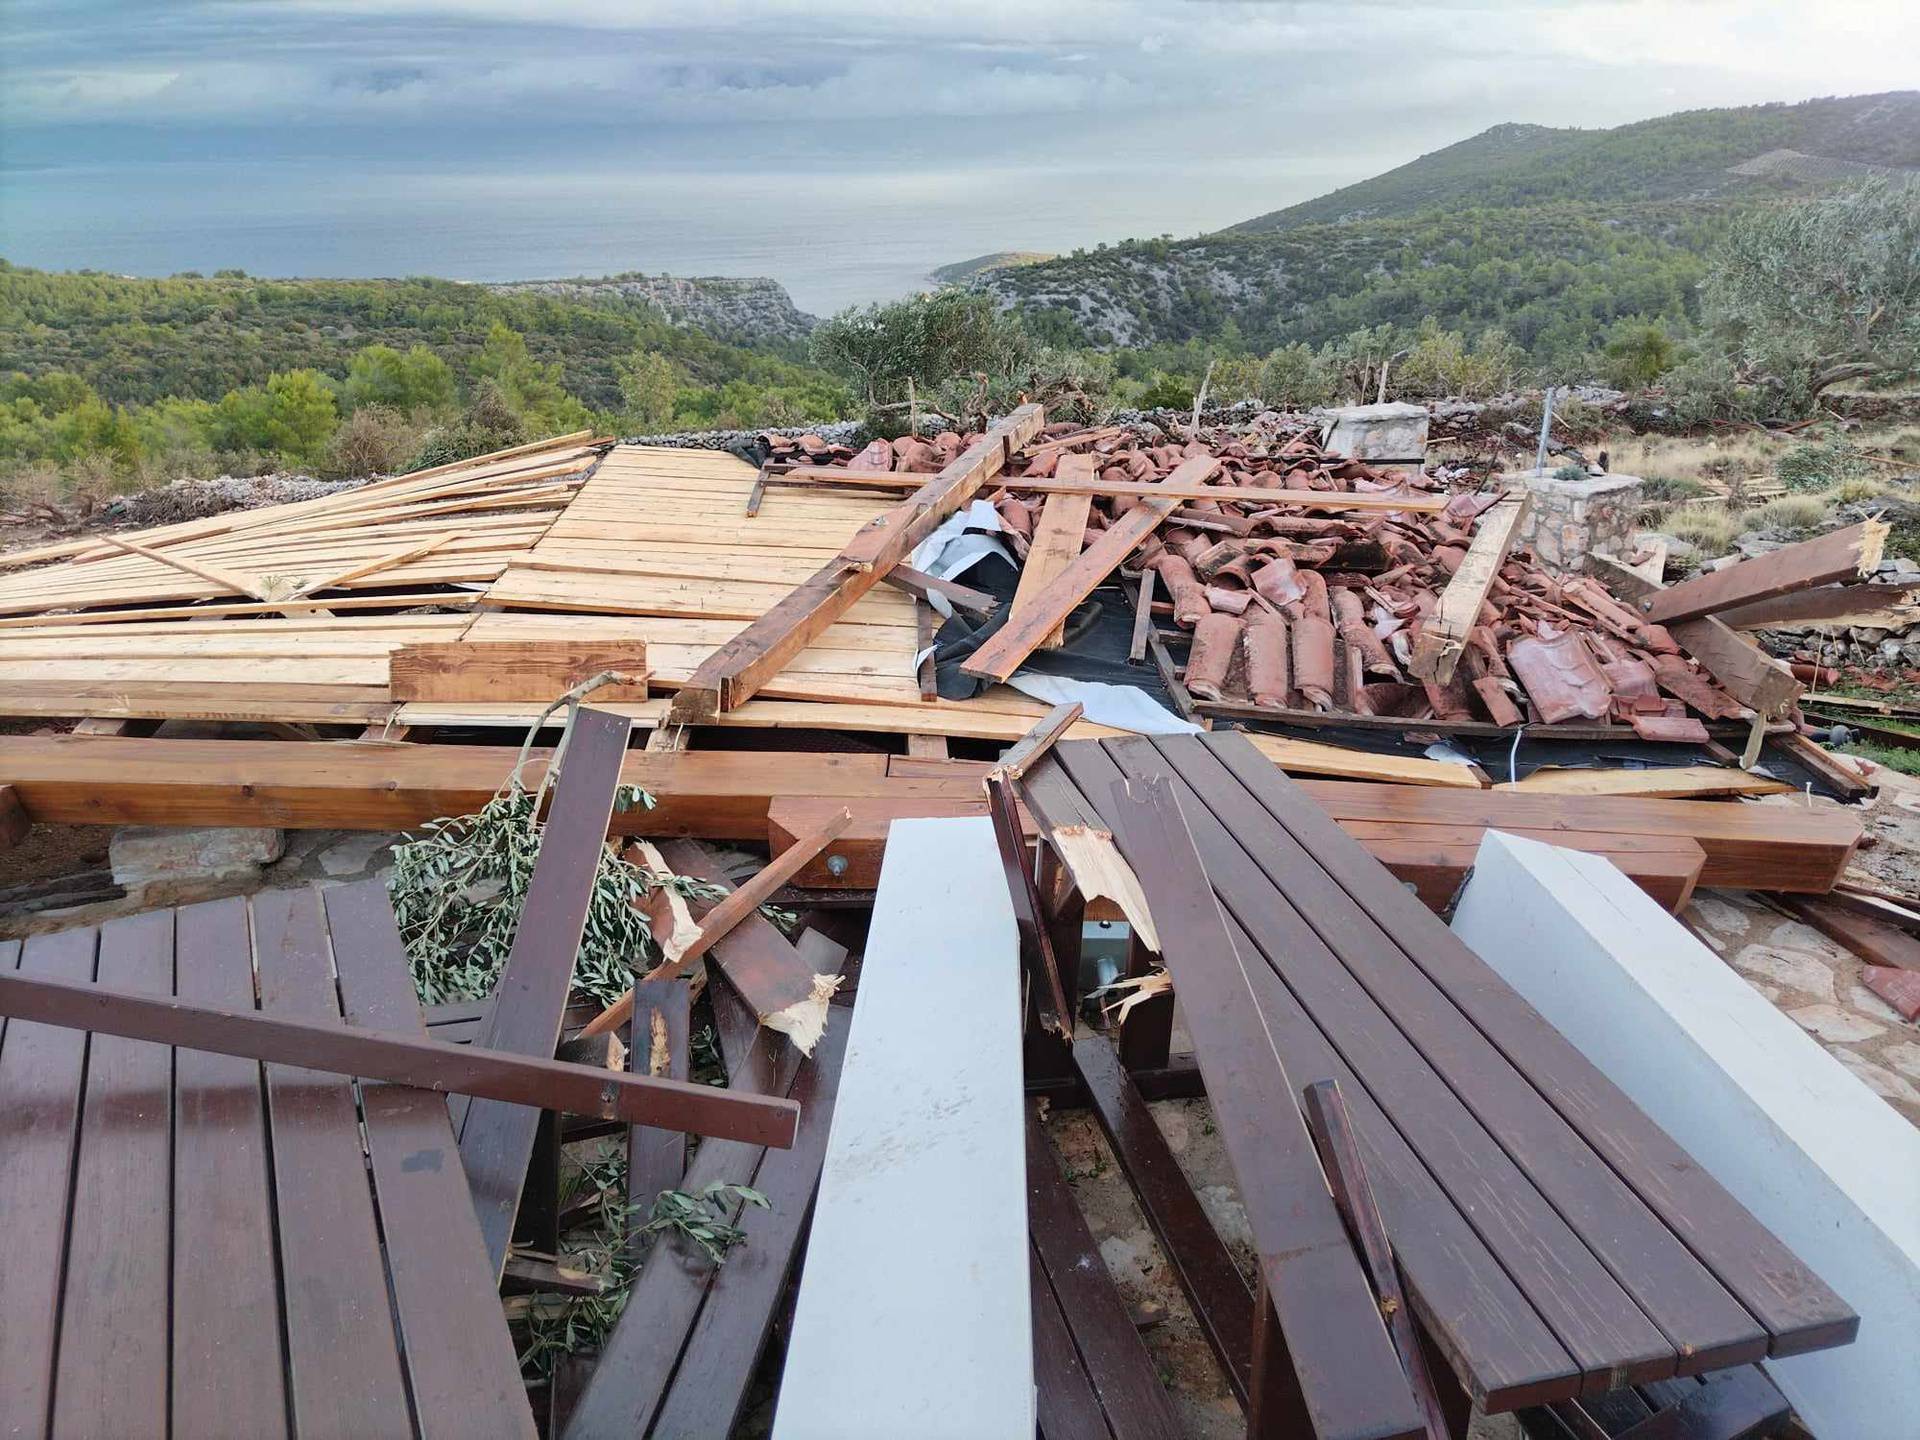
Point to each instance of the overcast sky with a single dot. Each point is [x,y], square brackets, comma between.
[1214,111]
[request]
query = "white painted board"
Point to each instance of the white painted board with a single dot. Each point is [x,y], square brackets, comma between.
[1795,1136]
[914,1312]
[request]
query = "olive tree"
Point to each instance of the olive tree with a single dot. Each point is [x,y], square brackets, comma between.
[1811,294]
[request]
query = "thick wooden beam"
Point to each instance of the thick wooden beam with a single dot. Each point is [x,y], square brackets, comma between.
[1843,555]
[1745,671]
[1438,645]
[13,818]
[1022,634]
[1889,607]
[731,675]
[452,672]
[400,1059]
[1056,542]
[1148,489]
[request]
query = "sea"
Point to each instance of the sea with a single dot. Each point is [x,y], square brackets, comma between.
[832,240]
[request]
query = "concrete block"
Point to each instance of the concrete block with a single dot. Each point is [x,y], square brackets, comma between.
[1378,432]
[144,855]
[1790,1131]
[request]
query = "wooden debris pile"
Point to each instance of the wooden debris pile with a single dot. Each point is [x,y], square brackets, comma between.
[1332,588]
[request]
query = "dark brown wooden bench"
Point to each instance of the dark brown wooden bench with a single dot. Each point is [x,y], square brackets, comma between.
[1554,1242]
[197,1244]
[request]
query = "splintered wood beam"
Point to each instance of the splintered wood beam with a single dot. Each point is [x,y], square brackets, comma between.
[535,671]
[1745,671]
[1056,541]
[1367,500]
[731,676]
[1022,634]
[1021,756]
[1843,555]
[375,565]
[239,584]
[400,1059]
[1442,639]
[977,603]
[720,920]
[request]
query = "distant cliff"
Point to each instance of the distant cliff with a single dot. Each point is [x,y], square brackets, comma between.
[739,310]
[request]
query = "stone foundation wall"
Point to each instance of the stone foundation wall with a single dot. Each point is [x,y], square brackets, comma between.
[1571,519]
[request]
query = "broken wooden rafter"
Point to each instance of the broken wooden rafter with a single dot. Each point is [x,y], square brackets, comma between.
[1842,555]
[459,671]
[239,584]
[521,1080]
[374,566]
[977,603]
[731,675]
[731,911]
[1368,500]
[1441,641]
[1745,671]
[1025,630]
[1057,540]
[1021,755]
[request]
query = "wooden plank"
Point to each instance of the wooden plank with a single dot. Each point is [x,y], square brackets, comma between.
[1117,1364]
[637,1363]
[343,1359]
[1221,1301]
[733,673]
[952,1352]
[1743,669]
[1657,782]
[1618,1258]
[1258,495]
[1347,1178]
[1874,941]
[1797,1310]
[229,1377]
[657,1157]
[462,1369]
[1758,1104]
[1056,542]
[1837,771]
[41,1070]
[1000,655]
[449,672]
[497,1138]
[1841,555]
[113,1366]
[1142,617]
[787,998]
[1442,638]
[1068,1409]
[13,818]
[1019,757]
[1887,607]
[977,603]
[1349,1382]
[240,584]
[716,1369]
[1311,757]
[389,561]
[1509,1296]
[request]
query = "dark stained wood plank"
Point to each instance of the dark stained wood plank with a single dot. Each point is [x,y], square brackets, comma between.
[112,1373]
[1704,1326]
[1221,1300]
[1069,1410]
[229,1377]
[13,818]
[638,1360]
[710,1385]
[1874,941]
[343,1358]
[461,1365]
[1349,1378]
[497,1138]
[1462,1274]
[1352,1189]
[657,1157]
[41,1068]
[1799,1311]
[1121,1370]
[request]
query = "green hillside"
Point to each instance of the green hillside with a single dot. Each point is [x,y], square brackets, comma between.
[1556,237]
[1691,155]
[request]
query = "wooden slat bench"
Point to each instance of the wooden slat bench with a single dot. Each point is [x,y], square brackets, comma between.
[198,1247]
[1554,1241]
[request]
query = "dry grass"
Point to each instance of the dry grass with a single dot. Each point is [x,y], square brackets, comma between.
[1849,492]
[1791,512]
[1672,457]
[1712,527]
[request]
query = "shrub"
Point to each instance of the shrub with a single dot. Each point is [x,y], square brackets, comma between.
[487,424]
[1820,466]
[372,441]
[1660,490]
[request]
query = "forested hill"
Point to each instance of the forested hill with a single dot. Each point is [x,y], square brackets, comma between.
[1558,239]
[1698,154]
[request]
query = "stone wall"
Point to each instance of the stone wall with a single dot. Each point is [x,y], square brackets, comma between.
[1571,519]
